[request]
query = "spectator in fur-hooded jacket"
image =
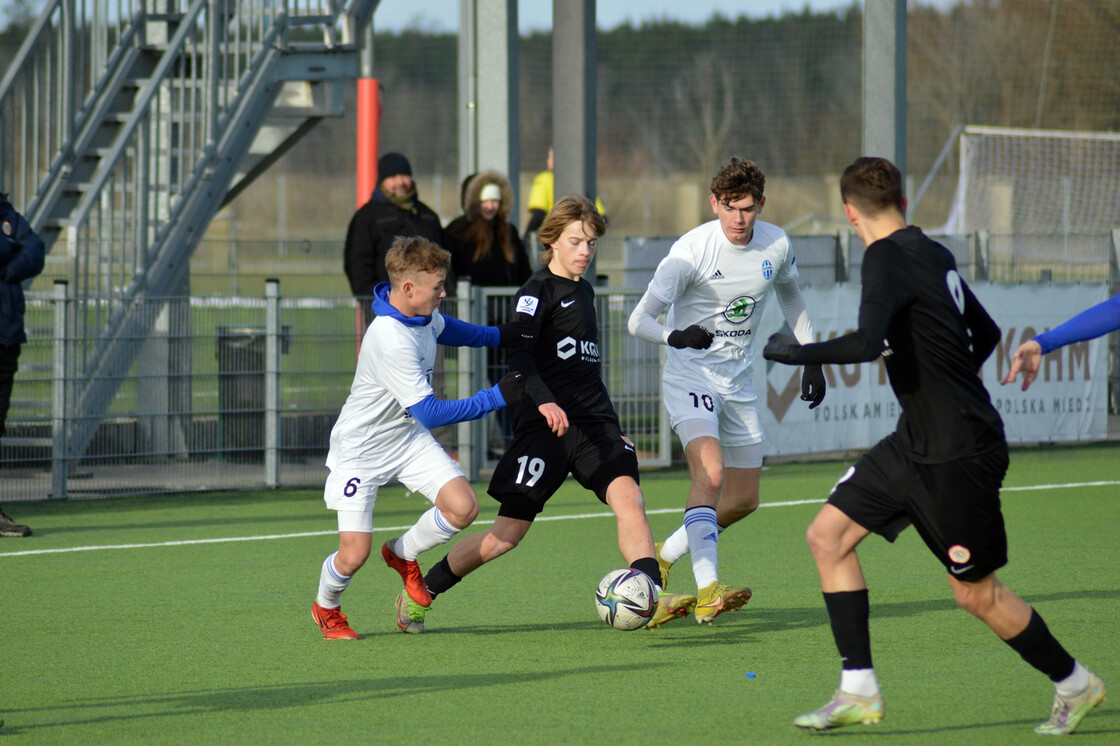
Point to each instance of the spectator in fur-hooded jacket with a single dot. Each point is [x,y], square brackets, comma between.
[484,245]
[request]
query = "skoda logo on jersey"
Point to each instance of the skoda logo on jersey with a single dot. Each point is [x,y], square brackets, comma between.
[767,269]
[740,309]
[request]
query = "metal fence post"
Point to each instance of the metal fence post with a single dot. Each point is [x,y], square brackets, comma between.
[1114,338]
[61,387]
[272,434]
[464,433]
[842,255]
[980,254]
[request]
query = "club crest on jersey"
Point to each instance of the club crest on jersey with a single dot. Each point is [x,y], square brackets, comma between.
[569,346]
[767,269]
[740,309]
[527,304]
[959,554]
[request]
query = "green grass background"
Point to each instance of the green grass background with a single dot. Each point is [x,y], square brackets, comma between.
[214,642]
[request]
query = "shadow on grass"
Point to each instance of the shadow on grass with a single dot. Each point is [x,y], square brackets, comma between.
[283,696]
[756,620]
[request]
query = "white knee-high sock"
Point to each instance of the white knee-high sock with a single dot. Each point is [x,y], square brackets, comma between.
[703,539]
[676,546]
[331,584]
[431,530]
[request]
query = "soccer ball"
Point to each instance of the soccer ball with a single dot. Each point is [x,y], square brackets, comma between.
[626,599]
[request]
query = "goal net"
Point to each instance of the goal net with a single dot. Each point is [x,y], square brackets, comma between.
[1021,181]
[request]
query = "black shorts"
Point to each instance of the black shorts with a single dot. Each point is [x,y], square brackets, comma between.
[954,506]
[536,463]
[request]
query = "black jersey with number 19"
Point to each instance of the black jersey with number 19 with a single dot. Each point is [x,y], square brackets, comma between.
[561,360]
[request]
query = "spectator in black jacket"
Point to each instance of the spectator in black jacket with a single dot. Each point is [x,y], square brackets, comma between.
[21,258]
[393,210]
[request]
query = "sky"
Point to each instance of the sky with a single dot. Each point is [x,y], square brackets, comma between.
[535,15]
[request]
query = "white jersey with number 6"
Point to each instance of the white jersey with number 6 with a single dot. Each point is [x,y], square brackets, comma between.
[709,281]
[394,372]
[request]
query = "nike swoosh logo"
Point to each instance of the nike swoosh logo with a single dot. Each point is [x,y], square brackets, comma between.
[566,303]
[959,570]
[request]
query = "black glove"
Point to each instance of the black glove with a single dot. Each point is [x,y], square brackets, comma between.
[512,387]
[510,337]
[695,337]
[813,385]
[780,348]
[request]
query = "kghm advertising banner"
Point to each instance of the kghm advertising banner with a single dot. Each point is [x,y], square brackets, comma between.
[1067,402]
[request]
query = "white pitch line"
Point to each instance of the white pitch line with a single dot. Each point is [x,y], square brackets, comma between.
[577,516]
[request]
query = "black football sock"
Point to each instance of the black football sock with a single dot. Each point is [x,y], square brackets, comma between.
[440,578]
[649,566]
[849,612]
[1042,650]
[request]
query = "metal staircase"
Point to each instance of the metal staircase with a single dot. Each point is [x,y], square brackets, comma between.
[125,125]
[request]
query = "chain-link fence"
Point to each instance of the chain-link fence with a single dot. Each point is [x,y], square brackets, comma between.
[240,388]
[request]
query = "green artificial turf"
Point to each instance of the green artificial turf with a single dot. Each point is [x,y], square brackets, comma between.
[214,643]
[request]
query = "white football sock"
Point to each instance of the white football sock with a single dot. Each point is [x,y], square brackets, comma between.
[1075,683]
[703,540]
[676,546]
[859,681]
[331,584]
[431,530]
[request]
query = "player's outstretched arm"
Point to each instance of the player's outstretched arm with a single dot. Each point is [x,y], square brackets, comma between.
[459,333]
[432,412]
[1089,324]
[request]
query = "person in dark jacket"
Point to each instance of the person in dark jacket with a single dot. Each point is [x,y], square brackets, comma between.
[21,258]
[393,210]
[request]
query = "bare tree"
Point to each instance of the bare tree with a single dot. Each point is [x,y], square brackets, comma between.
[703,100]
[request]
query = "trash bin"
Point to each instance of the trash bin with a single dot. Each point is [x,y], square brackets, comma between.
[241,371]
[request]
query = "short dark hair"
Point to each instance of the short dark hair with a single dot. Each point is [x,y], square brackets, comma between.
[413,254]
[738,179]
[872,185]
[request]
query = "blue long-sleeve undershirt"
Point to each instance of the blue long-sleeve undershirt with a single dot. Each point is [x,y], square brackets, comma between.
[1089,324]
[459,333]
[432,412]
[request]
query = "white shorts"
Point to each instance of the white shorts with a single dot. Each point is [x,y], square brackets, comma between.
[696,410]
[419,463]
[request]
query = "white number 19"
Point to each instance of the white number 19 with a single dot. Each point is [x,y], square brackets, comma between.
[534,466]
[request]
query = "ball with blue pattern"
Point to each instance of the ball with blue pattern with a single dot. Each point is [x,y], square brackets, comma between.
[626,599]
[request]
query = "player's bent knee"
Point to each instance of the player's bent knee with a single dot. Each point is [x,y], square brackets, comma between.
[823,544]
[458,503]
[975,598]
[461,515]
